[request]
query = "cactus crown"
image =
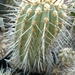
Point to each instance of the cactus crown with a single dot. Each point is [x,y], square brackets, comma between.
[37,25]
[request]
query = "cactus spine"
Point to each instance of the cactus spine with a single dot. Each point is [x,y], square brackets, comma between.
[37,25]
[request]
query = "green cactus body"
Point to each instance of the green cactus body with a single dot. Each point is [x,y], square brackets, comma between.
[38,27]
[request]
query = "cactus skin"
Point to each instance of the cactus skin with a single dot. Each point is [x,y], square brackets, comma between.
[37,24]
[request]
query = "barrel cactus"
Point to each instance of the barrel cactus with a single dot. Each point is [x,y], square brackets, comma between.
[37,24]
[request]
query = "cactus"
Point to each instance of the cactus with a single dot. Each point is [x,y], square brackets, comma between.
[66,56]
[37,24]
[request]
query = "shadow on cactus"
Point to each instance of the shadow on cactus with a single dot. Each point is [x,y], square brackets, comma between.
[37,24]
